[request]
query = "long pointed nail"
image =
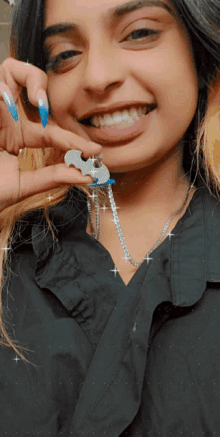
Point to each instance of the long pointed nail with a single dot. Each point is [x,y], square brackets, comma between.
[43,107]
[8,99]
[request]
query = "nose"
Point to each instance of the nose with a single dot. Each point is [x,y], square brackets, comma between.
[103,69]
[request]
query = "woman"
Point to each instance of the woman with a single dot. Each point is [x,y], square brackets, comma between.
[120,321]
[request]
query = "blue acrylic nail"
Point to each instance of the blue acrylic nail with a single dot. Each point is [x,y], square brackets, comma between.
[94,184]
[10,105]
[43,111]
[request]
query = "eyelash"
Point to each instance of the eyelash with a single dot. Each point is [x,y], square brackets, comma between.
[54,63]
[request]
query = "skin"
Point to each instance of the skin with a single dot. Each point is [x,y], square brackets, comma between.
[151,183]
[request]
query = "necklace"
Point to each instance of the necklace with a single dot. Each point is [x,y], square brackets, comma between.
[96,232]
[103,179]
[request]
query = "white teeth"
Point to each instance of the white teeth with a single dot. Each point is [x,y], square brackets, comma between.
[117,116]
[125,116]
[134,114]
[100,121]
[108,119]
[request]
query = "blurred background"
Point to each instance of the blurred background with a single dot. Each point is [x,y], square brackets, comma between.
[5,29]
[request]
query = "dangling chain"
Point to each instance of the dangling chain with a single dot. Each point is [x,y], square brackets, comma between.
[96,233]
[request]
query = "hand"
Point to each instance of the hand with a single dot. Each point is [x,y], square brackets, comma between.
[18,133]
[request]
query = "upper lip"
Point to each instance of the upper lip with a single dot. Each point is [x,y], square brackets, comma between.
[105,109]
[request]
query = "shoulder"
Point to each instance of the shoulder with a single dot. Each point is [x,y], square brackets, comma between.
[195,248]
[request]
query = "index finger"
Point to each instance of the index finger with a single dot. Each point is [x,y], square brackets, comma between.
[76,128]
[17,74]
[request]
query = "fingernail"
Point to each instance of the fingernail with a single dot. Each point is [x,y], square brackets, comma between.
[43,107]
[8,99]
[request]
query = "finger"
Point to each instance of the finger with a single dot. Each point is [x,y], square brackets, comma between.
[17,74]
[47,178]
[35,136]
[76,128]
[6,95]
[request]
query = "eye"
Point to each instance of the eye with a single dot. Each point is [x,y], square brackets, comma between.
[64,59]
[140,34]
[60,60]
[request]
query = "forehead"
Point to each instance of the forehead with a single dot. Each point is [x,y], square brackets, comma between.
[57,11]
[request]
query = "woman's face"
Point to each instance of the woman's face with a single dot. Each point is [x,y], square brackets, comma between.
[140,58]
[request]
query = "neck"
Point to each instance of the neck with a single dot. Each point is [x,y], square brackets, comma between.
[156,187]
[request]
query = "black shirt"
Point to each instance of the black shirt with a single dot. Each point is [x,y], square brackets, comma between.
[141,360]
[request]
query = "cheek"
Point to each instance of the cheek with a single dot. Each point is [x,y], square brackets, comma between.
[169,74]
[61,95]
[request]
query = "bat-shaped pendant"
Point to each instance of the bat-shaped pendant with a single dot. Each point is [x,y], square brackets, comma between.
[100,175]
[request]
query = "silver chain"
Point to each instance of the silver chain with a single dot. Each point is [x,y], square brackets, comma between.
[96,232]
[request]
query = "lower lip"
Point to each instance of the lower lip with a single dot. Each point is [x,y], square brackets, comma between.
[119,134]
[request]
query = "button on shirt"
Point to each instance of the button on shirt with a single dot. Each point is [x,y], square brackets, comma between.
[141,360]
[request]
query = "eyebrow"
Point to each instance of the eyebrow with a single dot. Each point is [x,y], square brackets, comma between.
[115,13]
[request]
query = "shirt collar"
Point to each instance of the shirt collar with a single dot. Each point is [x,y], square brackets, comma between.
[195,248]
[190,258]
[186,260]
[70,214]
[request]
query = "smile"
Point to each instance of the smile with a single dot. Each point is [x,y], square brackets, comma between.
[119,126]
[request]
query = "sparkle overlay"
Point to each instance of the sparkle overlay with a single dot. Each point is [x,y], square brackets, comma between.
[115,270]
[16,359]
[125,258]
[147,258]
[93,159]
[104,207]
[93,195]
